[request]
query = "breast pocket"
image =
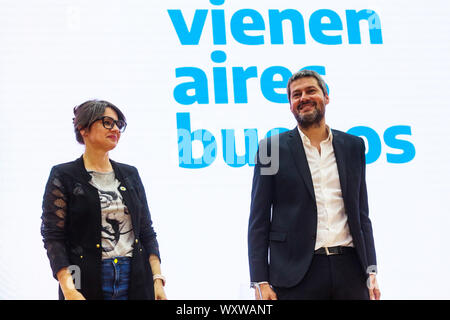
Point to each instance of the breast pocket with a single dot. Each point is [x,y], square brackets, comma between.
[78,202]
[78,190]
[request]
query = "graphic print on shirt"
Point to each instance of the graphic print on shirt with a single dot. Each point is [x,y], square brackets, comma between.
[116,221]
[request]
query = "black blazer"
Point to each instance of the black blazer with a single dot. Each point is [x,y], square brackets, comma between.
[71,227]
[283,213]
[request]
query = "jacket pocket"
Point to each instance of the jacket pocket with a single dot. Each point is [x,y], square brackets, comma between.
[76,255]
[277,236]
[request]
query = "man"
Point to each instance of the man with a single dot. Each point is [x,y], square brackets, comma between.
[311,214]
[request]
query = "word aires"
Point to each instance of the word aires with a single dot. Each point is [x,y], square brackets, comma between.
[197,91]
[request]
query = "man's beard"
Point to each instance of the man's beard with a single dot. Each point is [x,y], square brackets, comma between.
[311,119]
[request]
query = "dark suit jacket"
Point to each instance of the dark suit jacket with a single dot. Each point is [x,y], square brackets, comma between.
[283,213]
[71,227]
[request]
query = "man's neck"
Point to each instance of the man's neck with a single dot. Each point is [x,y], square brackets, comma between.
[316,133]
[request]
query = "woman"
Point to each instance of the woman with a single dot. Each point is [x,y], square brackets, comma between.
[96,224]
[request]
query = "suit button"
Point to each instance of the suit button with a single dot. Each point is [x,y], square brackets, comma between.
[81,257]
[98,246]
[137,240]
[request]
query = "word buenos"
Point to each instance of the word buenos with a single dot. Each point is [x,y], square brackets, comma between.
[186,137]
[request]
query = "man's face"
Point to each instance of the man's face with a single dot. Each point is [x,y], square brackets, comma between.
[307,102]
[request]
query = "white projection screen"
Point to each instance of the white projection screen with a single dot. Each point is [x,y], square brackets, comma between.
[217,70]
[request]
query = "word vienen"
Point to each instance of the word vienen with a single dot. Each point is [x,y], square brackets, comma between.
[247,26]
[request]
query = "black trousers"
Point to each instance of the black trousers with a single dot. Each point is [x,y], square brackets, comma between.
[334,277]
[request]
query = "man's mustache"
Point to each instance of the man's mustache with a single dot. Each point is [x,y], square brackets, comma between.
[300,106]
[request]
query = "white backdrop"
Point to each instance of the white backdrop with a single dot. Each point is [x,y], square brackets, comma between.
[56,54]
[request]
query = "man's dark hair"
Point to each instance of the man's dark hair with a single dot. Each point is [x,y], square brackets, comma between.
[88,112]
[303,74]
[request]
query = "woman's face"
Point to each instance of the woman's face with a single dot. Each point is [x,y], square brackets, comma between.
[99,137]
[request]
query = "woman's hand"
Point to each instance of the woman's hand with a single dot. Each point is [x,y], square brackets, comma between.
[73,294]
[67,286]
[158,283]
[159,290]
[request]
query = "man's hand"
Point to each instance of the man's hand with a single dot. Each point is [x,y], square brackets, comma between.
[265,292]
[372,284]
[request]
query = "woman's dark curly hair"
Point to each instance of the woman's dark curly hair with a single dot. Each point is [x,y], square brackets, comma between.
[88,112]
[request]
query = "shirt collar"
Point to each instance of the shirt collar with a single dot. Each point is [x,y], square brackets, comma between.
[305,139]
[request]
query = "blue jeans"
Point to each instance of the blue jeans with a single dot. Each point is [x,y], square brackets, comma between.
[116,278]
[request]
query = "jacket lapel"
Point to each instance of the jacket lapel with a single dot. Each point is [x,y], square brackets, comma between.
[81,172]
[339,153]
[298,152]
[126,186]
[125,189]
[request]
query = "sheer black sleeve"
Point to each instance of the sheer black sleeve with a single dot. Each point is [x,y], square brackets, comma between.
[54,209]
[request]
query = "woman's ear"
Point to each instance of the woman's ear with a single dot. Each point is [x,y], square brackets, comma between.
[83,132]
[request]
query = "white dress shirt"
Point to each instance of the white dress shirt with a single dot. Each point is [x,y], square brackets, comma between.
[332,226]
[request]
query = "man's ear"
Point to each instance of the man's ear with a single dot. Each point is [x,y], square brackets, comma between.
[327,99]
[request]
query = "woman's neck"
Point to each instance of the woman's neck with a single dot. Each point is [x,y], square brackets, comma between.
[95,160]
